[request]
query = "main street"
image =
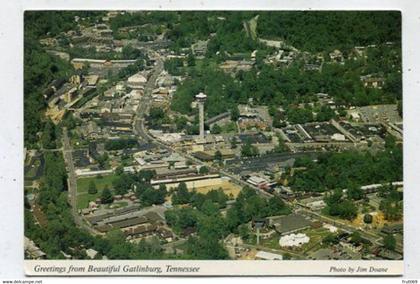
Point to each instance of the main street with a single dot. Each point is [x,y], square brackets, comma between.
[145,137]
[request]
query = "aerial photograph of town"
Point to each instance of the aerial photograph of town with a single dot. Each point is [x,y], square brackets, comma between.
[213,135]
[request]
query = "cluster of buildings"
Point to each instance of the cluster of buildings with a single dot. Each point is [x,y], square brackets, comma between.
[101,67]
[234,66]
[135,224]
[105,120]
[110,118]
[64,93]
[156,159]
[94,207]
[322,132]
[164,90]
[284,54]
[99,36]
[302,237]
[340,134]
[253,118]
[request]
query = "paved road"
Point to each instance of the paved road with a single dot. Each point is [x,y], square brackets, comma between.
[145,137]
[72,182]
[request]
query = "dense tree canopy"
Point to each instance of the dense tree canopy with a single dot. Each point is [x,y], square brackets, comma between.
[340,170]
[328,30]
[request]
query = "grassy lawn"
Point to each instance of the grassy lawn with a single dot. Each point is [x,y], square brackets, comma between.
[100,182]
[83,197]
[272,242]
[316,236]
[34,168]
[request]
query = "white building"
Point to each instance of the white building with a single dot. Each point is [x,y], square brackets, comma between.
[264,255]
[294,240]
[338,137]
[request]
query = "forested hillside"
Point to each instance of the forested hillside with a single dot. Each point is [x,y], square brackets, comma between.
[40,68]
[324,31]
[312,31]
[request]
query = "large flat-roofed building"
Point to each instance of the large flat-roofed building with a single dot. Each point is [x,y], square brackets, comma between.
[137,81]
[289,224]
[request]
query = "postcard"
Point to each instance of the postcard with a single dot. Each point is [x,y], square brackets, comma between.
[191,143]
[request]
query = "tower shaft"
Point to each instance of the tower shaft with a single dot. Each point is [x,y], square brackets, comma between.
[201,118]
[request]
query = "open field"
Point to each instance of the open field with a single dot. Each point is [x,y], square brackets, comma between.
[230,189]
[83,200]
[100,182]
[83,197]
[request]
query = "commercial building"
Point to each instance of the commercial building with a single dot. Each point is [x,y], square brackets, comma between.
[289,224]
[137,81]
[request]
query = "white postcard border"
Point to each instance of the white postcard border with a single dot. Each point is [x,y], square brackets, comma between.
[213,268]
[11,246]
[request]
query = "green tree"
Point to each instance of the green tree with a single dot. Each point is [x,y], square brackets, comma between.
[205,247]
[106,196]
[181,195]
[390,242]
[209,208]
[234,113]
[367,218]
[216,129]
[191,59]
[203,170]
[356,238]
[276,206]
[149,195]
[122,184]
[249,150]
[355,192]
[92,188]
[48,135]
[244,232]
[330,239]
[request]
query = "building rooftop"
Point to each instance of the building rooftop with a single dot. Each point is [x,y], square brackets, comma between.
[290,223]
[137,79]
[201,96]
[268,255]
